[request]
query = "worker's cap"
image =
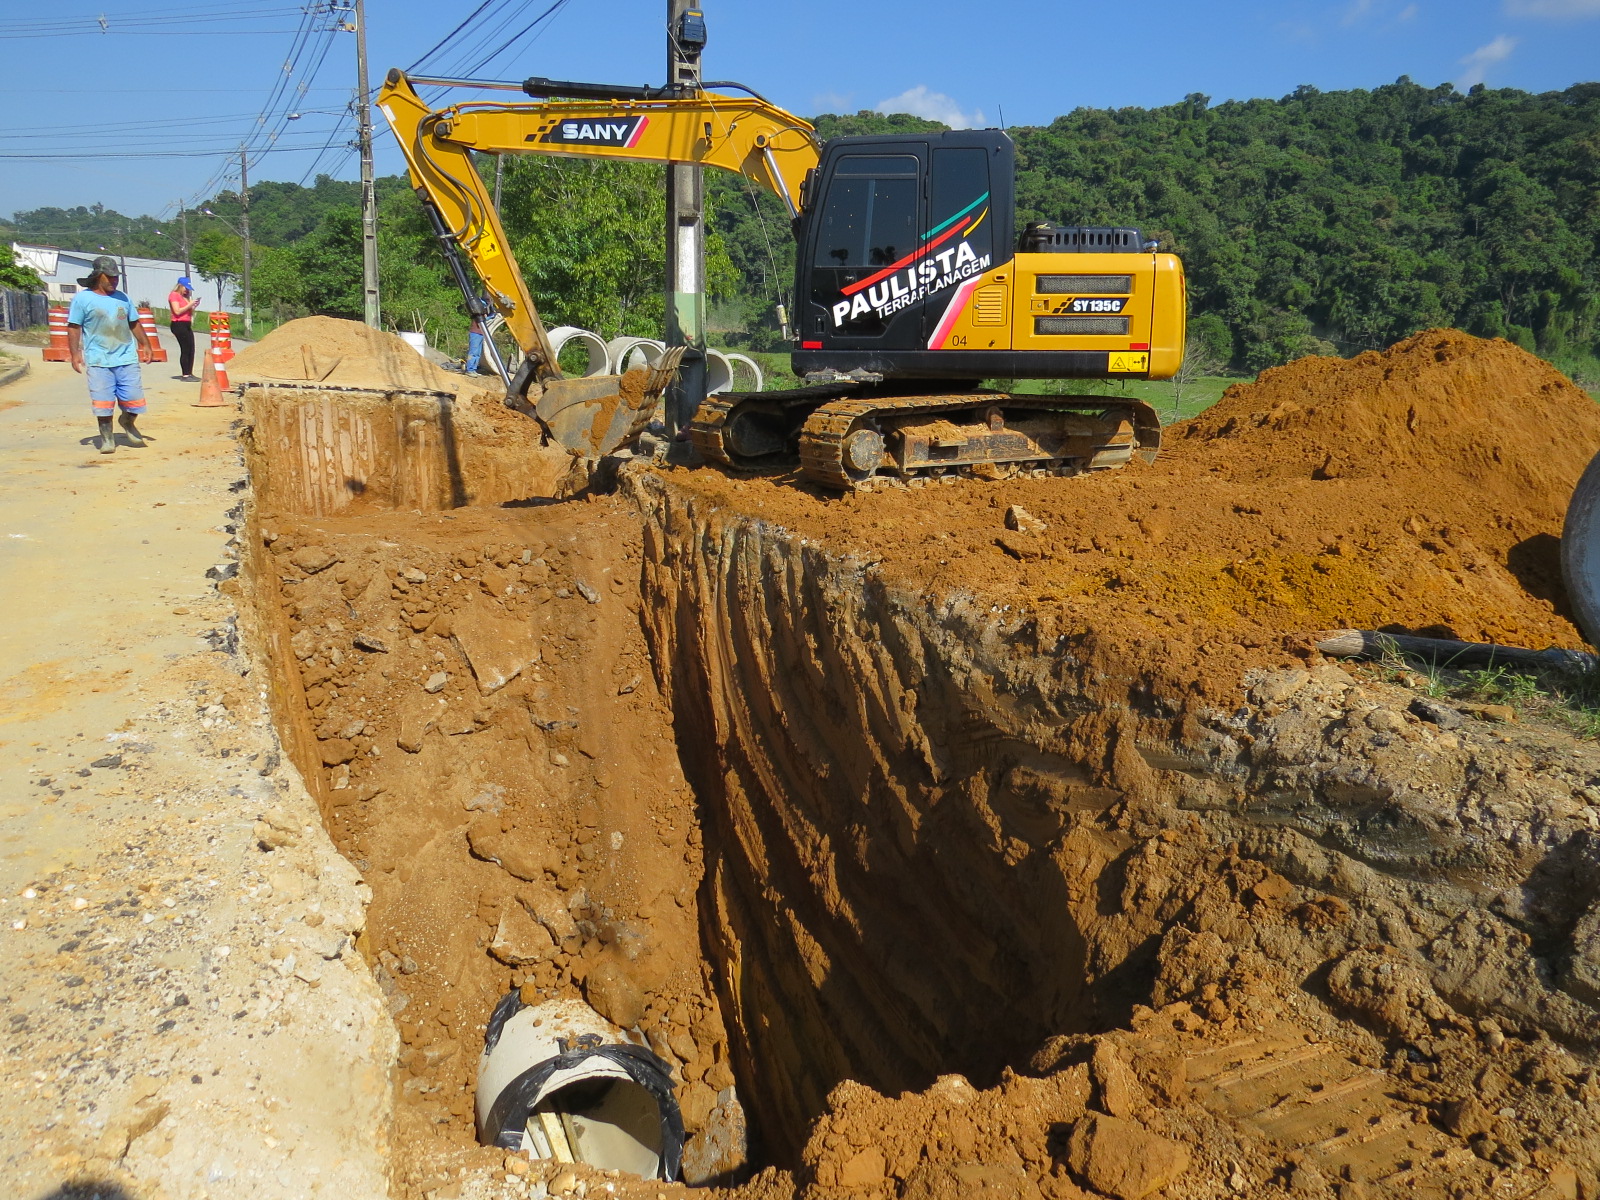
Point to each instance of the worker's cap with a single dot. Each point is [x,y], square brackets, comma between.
[104,265]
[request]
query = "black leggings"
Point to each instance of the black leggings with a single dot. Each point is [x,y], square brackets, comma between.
[184,332]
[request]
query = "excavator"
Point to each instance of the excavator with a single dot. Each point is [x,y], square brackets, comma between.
[912,287]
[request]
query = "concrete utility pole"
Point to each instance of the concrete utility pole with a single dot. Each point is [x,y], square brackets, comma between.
[244,231]
[686,229]
[499,172]
[369,197]
[183,216]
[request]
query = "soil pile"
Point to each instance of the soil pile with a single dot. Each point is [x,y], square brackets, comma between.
[1419,489]
[345,354]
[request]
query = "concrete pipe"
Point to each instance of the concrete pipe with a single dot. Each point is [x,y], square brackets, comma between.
[754,380]
[719,373]
[558,1081]
[598,358]
[630,352]
[1580,552]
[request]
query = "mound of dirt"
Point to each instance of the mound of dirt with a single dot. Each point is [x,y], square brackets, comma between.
[1419,489]
[344,354]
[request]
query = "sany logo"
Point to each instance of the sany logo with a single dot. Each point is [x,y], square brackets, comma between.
[621,132]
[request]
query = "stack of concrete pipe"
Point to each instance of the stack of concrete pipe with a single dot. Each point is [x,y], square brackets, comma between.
[726,371]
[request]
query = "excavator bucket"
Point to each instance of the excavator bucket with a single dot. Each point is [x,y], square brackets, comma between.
[601,413]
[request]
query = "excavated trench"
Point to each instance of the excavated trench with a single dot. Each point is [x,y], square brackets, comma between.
[827,837]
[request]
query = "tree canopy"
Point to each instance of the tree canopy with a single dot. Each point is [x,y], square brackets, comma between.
[1324,222]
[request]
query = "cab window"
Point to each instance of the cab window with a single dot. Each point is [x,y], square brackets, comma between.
[870,218]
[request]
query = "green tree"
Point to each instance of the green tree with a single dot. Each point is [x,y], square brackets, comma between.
[16,276]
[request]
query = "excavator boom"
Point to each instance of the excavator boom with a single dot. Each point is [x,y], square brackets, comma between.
[743,134]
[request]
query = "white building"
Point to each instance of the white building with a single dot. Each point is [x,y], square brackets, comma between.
[146,280]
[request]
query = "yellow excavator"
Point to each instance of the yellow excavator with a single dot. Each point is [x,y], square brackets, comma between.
[912,286]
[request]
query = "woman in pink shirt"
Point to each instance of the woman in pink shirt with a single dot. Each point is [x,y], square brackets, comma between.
[181,304]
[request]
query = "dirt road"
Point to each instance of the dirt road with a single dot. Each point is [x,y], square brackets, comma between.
[154,954]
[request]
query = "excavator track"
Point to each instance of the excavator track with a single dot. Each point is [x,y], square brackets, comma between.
[753,430]
[860,443]
[847,442]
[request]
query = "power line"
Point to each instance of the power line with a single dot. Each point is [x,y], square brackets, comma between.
[442,42]
[212,153]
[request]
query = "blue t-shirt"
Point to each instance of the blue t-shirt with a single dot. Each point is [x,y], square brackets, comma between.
[107,337]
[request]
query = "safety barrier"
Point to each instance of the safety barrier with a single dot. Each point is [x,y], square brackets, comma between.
[147,322]
[58,350]
[221,337]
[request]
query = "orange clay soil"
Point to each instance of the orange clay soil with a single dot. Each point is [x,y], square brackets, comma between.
[1420,489]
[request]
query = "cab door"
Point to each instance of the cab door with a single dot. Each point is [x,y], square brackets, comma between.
[864,244]
[960,250]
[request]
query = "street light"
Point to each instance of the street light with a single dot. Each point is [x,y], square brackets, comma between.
[244,238]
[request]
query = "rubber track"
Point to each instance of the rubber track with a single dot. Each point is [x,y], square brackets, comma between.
[711,418]
[822,439]
[705,431]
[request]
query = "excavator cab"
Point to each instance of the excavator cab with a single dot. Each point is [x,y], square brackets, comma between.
[908,267]
[894,226]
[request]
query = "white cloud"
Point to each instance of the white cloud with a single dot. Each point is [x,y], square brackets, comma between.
[833,102]
[1557,9]
[1476,65]
[931,106]
[1357,10]
[1407,13]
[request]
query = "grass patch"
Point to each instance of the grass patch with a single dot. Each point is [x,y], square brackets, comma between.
[33,335]
[1198,394]
[1568,698]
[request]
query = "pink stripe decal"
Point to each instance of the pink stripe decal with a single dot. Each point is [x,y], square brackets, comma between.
[638,132]
[957,304]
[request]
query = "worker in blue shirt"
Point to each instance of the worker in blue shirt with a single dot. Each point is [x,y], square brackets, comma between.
[107,343]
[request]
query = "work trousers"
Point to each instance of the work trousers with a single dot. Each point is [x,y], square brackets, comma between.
[183,331]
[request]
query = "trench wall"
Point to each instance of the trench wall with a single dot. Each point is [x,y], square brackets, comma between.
[935,841]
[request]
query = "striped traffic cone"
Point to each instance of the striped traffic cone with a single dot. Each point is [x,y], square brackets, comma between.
[58,350]
[147,322]
[210,390]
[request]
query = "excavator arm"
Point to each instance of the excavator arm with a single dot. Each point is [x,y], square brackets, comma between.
[743,134]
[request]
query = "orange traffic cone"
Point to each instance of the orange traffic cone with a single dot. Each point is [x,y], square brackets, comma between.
[147,322]
[210,392]
[58,350]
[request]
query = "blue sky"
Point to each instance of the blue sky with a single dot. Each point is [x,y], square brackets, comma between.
[168,90]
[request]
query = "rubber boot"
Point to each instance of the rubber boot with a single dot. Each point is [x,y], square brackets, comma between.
[128,427]
[108,436]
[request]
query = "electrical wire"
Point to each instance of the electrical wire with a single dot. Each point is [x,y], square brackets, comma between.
[447,38]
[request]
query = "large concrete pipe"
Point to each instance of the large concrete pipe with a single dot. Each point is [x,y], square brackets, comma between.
[558,1081]
[719,373]
[754,382]
[1580,551]
[630,352]
[597,357]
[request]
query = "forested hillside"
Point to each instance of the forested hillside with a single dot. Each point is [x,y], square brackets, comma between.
[1323,222]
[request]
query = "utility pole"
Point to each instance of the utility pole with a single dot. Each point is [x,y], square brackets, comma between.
[686,230]
[499,171]
[369,197]
[183,216]
[244,231]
